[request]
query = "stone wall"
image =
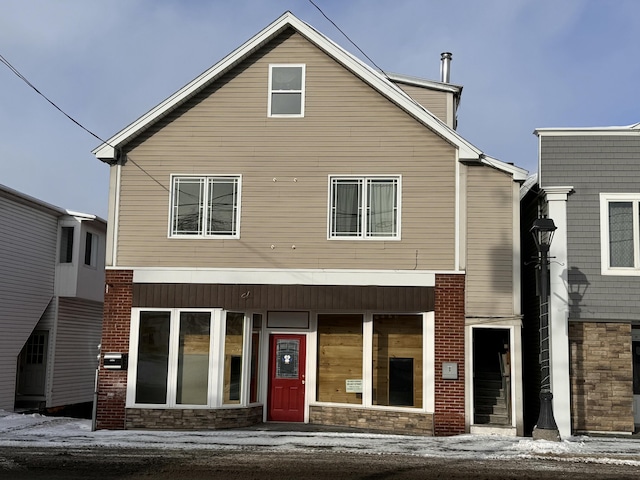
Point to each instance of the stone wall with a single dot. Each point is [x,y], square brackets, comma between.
[601,377]
[192,418]
[370,419]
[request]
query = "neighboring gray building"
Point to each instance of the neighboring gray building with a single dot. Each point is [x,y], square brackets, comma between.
[589,184]
[51,301]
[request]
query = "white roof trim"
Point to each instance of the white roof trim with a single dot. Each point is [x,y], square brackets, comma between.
[613,130]
[467,151]
[423,82]
[519,174]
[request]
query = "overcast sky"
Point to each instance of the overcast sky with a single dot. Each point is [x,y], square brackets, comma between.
[523,64]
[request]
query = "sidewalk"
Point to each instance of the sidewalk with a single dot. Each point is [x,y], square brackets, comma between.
[31,430]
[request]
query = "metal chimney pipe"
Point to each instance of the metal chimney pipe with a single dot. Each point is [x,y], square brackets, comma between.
[445,67]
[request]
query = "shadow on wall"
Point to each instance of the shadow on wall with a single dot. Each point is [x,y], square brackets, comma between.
[577,286]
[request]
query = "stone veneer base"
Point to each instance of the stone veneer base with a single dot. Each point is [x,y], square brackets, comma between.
[191,418]
[369,419]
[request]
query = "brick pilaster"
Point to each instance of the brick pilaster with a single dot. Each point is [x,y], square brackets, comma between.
[449,347]
[112,384]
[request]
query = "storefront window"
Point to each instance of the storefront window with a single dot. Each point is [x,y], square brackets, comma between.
[193,358]
[153,357]
[233,357]
[397,360]
[339,376]
[255,357]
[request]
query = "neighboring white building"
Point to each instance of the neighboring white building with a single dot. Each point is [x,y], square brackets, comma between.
[51,301]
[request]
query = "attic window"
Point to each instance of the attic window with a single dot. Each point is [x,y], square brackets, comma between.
[286,90]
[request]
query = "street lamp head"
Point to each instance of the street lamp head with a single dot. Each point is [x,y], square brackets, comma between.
[542,231]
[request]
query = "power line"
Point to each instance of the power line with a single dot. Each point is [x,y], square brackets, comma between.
[347,37]
[25,80]
[17,73]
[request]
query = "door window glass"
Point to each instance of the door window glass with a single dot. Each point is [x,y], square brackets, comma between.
[287,358]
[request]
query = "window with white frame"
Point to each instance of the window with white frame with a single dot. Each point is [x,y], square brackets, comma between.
[205,206]
[286,90]
[364,207]
[620,233]
[188,358]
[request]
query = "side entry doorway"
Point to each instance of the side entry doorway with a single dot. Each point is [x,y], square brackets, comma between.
[491,377]
[32,366]
[287,361]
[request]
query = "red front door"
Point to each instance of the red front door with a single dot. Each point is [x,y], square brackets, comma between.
[286,378]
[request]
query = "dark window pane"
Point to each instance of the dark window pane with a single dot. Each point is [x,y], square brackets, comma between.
[153,357]
[286,104]
[621,234]
[66,245]
[286,78]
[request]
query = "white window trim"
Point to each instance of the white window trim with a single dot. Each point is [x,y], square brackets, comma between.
[605,199]
[428,366]
[216,359]
[238,215]
[364,236]
[302,91]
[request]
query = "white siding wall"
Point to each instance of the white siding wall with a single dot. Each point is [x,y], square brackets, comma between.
[77,337]
[27,267]
[91,278]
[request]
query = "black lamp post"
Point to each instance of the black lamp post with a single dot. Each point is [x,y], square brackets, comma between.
[546,428]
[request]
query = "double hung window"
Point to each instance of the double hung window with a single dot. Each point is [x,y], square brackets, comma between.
[286,90]
[620,230]
[364,207]
[205,206]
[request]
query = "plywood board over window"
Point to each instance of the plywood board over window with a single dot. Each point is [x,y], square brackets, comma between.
[339,357]
[397,360]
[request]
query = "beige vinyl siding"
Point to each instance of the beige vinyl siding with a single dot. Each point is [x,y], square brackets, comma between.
[348,128]
[78,334]
[27,262]
[435,102]
[490,201]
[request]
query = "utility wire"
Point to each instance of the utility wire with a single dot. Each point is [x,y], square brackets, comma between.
[25,80]
[347,37]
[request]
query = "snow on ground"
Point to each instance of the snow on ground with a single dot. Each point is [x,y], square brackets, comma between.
[24,430]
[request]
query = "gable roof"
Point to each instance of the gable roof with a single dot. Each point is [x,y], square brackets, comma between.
[108,151]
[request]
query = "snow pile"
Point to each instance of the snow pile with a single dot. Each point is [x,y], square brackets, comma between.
[42,431]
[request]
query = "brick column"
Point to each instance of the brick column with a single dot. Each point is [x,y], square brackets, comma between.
[116,323]
[449,347]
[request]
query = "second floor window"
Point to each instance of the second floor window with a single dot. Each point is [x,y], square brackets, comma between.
[91,249]
[286,90]
[620,227]
[66,244]
[205,206]
[364,207]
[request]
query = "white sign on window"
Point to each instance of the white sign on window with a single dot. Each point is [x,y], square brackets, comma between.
[354,385]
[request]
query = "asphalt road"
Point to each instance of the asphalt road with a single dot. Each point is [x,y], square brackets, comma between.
[247,464]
